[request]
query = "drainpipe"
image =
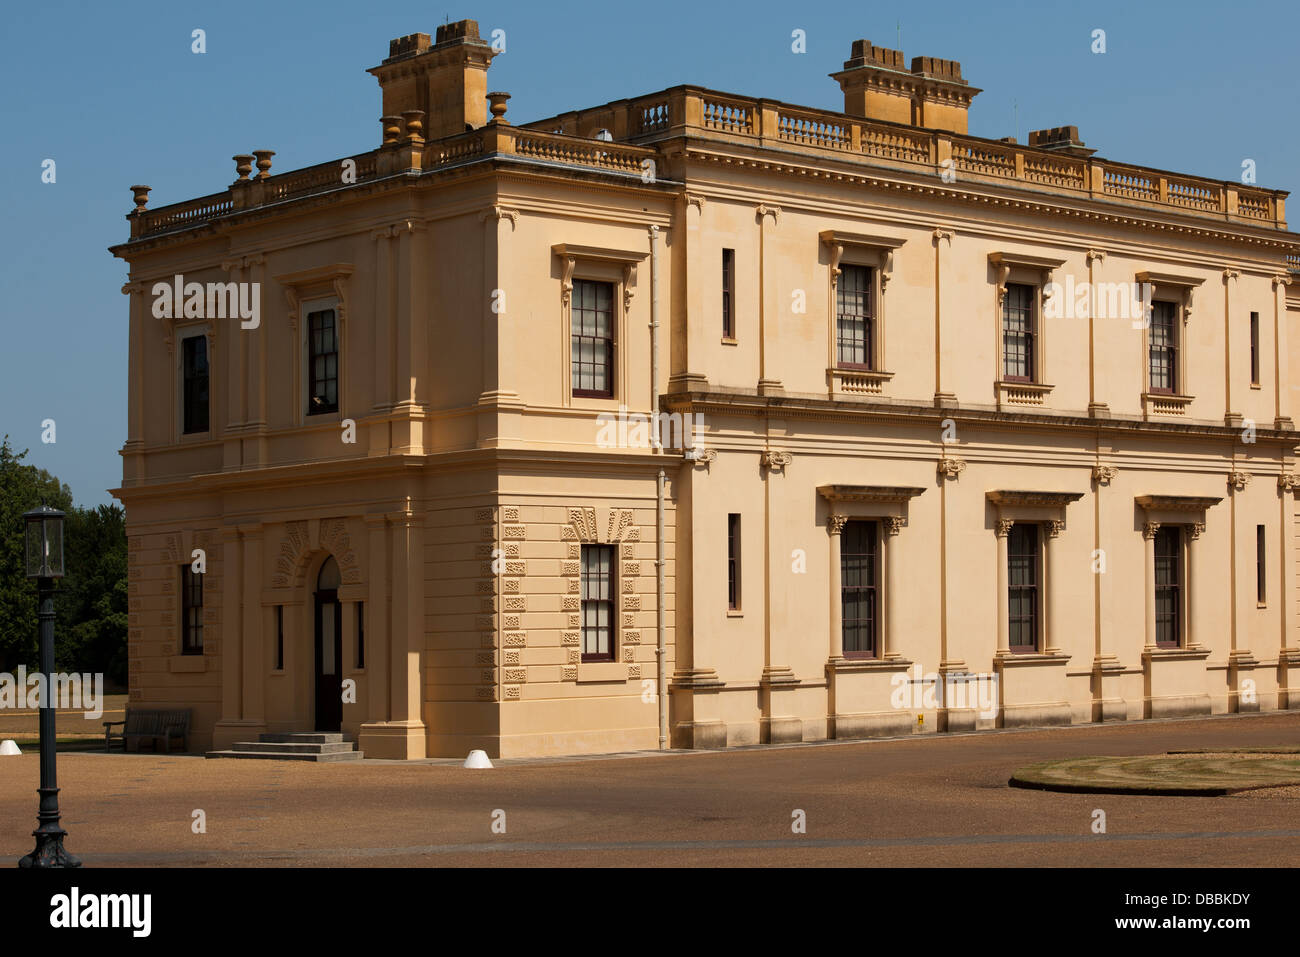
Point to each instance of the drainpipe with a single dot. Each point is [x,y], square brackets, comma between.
[661,649]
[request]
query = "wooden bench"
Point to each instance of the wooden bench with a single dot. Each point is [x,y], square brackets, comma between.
[165,725]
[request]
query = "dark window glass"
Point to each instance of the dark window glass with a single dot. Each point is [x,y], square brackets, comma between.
[361,635]
[1018,333]
[323,362]
[733,561]
[859,568]
[195,378]
[1168,586]
[598,602]
[1022,587]
[1164,347]
[728,293]
[279,637]
[1261,566]
[592,338]
[1254,348]
[854,322]
[191,611]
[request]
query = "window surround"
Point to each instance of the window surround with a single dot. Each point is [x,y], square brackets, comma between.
[176,341]
[1179,289]
[888,506]
[1189,512]
[876,253]
[729,337]
[1029,270]
[597,264]
[311,290]
[1048,511]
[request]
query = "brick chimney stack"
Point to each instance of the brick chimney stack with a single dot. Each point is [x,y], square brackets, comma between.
[1063,139]
[445,78]
[931,94]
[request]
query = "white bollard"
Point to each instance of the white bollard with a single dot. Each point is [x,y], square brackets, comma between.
[477,759]
[9,747]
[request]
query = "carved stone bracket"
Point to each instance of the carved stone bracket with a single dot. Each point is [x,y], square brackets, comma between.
[951,468]
[1288,481]
[1104,474]
[566,281]
[1238,480]
[700,456]
[776,461]
[629,284]
[499,213]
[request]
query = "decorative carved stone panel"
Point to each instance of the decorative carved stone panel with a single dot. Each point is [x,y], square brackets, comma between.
[334,537]
[582,524]
[293,545]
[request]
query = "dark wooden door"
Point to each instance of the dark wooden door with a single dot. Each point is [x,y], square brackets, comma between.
[329,661]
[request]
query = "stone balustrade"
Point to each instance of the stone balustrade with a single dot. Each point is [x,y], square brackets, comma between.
[628,128]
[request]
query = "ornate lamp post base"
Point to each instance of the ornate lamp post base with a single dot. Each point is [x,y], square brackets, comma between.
[49,836]
[49,851]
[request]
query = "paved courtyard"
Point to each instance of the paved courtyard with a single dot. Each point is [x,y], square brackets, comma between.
[925,801]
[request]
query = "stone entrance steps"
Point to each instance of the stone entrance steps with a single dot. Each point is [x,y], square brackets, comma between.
[316,746]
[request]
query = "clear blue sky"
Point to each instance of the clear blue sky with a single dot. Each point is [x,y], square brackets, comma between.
[112,93]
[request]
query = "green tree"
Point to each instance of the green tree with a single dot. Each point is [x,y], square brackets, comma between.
[22,488]
[91,602]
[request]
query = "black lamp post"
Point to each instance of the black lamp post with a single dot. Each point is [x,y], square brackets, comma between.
[44,560]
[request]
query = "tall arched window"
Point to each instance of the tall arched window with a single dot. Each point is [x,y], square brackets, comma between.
[328,579]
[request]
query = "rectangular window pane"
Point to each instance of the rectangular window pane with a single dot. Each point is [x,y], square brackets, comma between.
[854,322]
[1018,332]
[733,561]
[859,576]
[598,596]
[361,635]
[591,349]
[1163,347]
[195,384]
[322,362]
[279,637]
[1254,348]
[1168,575]
[1261,565]
[728,292]
[191,611]
[1022,587]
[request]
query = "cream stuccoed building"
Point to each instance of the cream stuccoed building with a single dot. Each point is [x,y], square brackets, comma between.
[700,420]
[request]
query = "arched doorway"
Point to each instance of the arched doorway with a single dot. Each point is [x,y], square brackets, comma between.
[329,649]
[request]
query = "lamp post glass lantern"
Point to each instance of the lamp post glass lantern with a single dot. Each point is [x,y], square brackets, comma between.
[44,542]
[43,553]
